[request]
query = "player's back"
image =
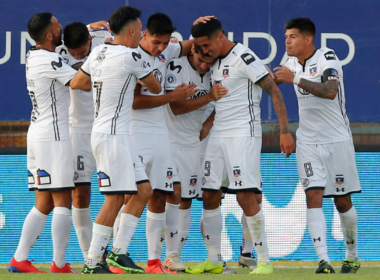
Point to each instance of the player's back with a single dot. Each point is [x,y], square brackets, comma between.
[47,76]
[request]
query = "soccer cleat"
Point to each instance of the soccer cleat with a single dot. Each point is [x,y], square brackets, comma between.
[324,267]
[350,266]
[263,268]
[115,269]
[247,260]
[206,266]
[124,262]
[174,263]
[156,267]
[103,261]
[227,270]
[22,267]
[66,269]
[98,269]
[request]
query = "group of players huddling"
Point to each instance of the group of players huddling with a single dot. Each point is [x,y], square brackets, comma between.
[169,122]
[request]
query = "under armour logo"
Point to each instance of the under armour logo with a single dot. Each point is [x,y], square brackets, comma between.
[259,244]
[220,257]
[183,239]
[316,239]
[238,183]
[339,190]
[352,242]
[207,237]
[86,270]
[191,192]
[162,239]
[103,248]
[173,233]
[170,185]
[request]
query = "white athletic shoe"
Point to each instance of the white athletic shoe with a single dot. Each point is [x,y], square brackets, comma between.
[249,262]
[227,269]
[174,263]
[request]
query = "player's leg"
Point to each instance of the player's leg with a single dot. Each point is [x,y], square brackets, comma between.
[184,220]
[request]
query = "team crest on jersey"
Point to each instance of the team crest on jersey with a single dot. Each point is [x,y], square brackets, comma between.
[101,56]
[30,177]
[193,182]
[169,174]
[339,179]
[313,71]
[103,179]
[43,178]
[226,73]
[237,172]
[161,58]
[171,79]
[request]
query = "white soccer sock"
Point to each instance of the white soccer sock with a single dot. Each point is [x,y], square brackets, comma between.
[184,220]
[128,224]
[171,235]
[212,233]
[155,222]
[256,225]
[60,231]
[101,236]
[247,238]
[33,225]
[317,229]
[349,221]
[116,224]
[83,226]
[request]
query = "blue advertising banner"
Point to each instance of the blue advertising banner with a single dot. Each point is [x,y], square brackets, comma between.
[283,204]
[349,27]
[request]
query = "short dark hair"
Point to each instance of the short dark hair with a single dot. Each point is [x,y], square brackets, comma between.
[75,35]
[38,24]
[160,24]
[303,24]
[208,29]
[123,16]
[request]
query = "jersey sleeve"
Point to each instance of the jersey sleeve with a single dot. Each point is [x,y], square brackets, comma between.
[59,70]
[175,50]
[175,75]
[136,64]
[330,67]
[86,66]
[251,67]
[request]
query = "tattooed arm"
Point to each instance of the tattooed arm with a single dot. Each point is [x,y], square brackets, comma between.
[286,140]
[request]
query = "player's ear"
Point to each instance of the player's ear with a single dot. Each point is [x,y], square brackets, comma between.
[144,34]
[90,38]
[49,36]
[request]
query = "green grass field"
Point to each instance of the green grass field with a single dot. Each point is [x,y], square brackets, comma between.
[283,271]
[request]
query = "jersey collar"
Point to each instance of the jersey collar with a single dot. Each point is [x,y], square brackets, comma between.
[303,65]
[145,50]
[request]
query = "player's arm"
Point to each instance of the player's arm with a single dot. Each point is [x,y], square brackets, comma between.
[151,83]
[99,25]
[183,107]
[81,80]
[182,92]
[286,139]
[207,125]
[327,90]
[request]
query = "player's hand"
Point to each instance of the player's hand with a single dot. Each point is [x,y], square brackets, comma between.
[287,144]
[183,91]
[283,74]
[217,92]
[174,40]
[270,72]
[100,25]
[203,19]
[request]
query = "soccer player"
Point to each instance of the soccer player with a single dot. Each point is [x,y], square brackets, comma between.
[78,43]
[150,135]
[49,152]
[234,147]
[325,151]
[114,69]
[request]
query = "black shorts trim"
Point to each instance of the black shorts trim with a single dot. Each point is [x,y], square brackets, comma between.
[233,191]
[341,195]
[82,184]
[32,189]
[55,189]
[163,191]
[142,182]
[119,192]
[314,188]
[224,189]
[189,198]
[176,183]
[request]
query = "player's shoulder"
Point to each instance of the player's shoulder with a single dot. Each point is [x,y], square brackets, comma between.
[243,54]
[327,54]
[99,37]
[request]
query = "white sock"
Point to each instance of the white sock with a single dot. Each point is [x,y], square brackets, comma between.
[317,229]
[256,225]
[247,238]
[83,227]
[33,225]
[60,231]
[349,221]
[116,224]
[184,220]
[212,233]
[101,236]
[155,222]
[128,224]
[171,235]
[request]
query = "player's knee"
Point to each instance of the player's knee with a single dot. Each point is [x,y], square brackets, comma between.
[145,193]
[81,198]
[314,198]
[343,204]
[211,200]
[185,204]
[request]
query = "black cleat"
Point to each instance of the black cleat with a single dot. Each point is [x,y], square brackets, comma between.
[324,268]
[350,266]
[104,258]
[98,269]
[124,262]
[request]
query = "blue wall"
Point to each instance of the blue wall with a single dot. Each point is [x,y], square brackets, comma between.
[357,19]
[283,204]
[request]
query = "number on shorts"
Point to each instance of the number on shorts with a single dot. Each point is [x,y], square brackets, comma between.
[207,167]
[80,164]
[98,87]
[308,169]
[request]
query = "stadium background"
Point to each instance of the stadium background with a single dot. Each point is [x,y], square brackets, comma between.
[284,203]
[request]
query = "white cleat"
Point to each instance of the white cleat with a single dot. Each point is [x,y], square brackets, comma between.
[249,262]
[174,263]
[227,269]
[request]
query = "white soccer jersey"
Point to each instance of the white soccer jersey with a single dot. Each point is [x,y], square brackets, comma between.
[46,79]
[153,120]
[238,113]
[81,110]
[184,129]
[320,120]
[114,71]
